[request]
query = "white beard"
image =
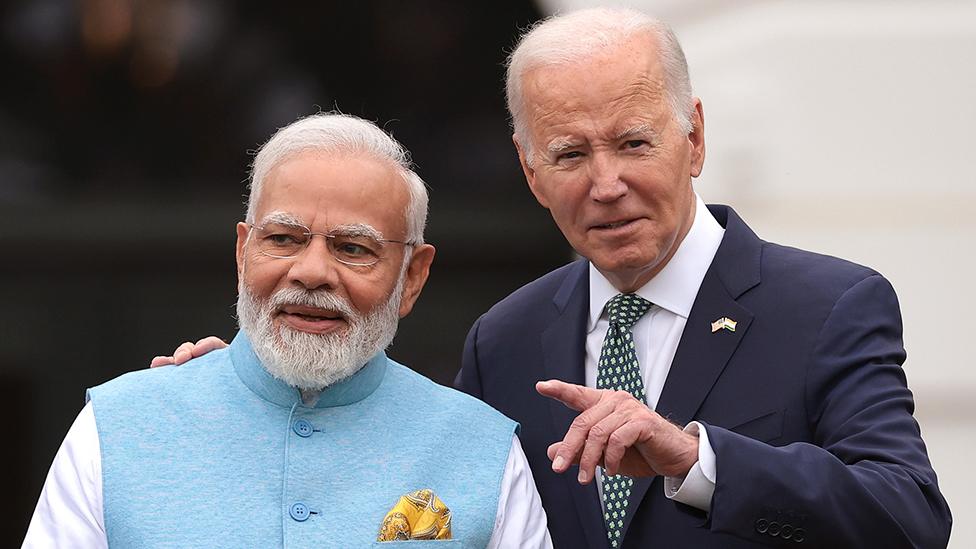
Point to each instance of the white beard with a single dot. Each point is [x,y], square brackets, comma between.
[315,361]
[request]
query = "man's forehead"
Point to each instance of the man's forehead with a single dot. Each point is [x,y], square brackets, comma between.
[315,184]
[614,105]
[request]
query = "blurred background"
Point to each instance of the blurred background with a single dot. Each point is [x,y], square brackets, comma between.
[126,128]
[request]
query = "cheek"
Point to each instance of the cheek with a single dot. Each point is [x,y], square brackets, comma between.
[365,292]
[263,276]
[567,194]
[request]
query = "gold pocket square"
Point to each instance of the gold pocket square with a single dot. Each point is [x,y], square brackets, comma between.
[417,515]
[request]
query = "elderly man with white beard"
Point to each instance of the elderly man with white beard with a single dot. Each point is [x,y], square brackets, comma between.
[302,433]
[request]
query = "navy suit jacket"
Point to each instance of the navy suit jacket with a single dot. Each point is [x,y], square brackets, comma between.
[805,405]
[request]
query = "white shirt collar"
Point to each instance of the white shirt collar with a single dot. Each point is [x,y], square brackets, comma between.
[676,286]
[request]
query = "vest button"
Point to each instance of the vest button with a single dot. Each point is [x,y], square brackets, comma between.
[299,512]
[302,428]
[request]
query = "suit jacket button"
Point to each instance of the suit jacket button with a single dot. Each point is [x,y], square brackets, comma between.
[762,525]
[799,535]
[773,529]
[786,531]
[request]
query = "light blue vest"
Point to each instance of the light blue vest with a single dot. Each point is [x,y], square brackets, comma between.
[218,453]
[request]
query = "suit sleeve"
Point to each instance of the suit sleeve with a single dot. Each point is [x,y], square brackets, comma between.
[468,379]
[865,480]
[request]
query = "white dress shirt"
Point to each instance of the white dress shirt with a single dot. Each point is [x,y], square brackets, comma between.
[656,335]
[69,512]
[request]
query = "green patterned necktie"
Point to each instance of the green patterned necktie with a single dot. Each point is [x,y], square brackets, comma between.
[618,370]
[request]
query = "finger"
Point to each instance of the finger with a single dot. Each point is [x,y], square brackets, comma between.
[618,443]
[158,361]
[552,449]
[562,465]
[575,439]
[576,397]
[183,353]
[596,445]
[207,344]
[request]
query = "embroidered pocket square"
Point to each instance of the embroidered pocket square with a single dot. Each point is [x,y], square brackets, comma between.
[417,515]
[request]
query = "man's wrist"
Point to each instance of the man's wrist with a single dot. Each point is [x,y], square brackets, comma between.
[687,454]
[697,486]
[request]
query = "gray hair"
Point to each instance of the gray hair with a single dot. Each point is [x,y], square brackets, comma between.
[335,132]
[565,39]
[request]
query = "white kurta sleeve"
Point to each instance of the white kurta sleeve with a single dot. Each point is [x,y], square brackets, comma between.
[69,511]
[520,520]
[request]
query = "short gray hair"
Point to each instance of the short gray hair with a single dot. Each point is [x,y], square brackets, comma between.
[342,133]
[565,39]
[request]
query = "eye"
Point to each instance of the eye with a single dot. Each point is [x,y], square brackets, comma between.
[355,247]
[635,143]
[278,240]
[569,155]
[353,250]
[283,239]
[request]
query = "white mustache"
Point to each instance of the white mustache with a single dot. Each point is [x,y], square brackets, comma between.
[319,299]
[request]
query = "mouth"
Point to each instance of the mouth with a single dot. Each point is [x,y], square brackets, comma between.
[614,225]
[311,319]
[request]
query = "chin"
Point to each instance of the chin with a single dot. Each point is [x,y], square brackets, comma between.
[626,261]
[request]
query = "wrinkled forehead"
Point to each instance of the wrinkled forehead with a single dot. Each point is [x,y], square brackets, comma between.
[607,82]
[324,190]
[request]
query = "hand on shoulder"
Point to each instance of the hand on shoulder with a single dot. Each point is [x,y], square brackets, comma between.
[189,350]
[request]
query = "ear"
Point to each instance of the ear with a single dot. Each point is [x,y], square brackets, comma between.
[243,230]
[696,139]
[529,173]
[417,273]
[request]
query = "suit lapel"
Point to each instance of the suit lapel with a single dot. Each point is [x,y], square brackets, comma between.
[563,352]
[702,354]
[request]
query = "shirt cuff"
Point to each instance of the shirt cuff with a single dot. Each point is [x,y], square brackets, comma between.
[695,488]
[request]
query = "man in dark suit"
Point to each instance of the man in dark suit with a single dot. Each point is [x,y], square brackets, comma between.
[751,394]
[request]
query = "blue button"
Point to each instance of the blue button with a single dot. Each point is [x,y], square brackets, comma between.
[299,512]
[302,428]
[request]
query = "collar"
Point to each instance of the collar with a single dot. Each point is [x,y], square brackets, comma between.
[352,389]
[676,286]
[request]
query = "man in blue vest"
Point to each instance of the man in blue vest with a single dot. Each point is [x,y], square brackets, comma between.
[302,433]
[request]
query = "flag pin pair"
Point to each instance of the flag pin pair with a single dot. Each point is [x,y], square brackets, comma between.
[724,323]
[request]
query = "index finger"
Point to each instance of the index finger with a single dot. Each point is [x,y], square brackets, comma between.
[161,361]
[577,397]
[207,344]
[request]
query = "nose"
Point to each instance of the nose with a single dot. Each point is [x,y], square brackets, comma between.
[315,267]
[605,182]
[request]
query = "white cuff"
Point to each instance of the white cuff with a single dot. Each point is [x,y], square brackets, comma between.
[695,488]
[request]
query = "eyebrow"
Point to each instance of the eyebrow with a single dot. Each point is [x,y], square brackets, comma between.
[350,229]
[640,129]
[559,145]
[358,229]
[283,218]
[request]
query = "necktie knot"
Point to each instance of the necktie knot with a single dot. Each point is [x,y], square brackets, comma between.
[625,310]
